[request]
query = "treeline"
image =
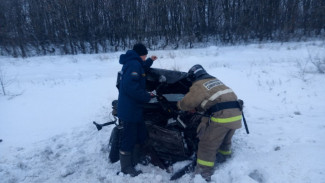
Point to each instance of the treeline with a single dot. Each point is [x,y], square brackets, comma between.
[41,27]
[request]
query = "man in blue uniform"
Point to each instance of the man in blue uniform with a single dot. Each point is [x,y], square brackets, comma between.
[132,95]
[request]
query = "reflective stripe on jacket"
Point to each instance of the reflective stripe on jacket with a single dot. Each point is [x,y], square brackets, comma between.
[207,92]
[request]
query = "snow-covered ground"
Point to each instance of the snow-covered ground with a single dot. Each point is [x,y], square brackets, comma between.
[48,136]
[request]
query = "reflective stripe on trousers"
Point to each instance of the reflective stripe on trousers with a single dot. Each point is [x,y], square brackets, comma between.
[224,152]
[205,163]
[209,163]
[226,120]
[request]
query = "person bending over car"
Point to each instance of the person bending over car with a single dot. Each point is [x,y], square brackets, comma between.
[132,95]
[210,96]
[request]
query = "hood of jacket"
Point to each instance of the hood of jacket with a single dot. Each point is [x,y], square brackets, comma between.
[130,55]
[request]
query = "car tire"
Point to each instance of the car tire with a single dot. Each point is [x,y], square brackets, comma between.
[114,144]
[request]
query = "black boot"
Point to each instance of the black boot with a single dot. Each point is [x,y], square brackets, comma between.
[126,164]
[139,155]
[220,158]
[205,171]
[136,155]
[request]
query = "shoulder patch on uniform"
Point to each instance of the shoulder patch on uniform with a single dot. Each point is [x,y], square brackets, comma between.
[212,83]
[134,74]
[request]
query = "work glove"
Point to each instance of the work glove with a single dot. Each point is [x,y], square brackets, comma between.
[153,57]
[193,111]
[202,127]
[153,94]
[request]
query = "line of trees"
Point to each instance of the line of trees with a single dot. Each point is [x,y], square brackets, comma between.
[41,27]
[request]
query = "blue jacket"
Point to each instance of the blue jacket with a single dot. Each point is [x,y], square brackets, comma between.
[132,89]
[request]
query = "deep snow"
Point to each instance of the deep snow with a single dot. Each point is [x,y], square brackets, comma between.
[48,135]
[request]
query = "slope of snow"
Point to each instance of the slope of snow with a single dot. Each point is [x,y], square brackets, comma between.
[48,135]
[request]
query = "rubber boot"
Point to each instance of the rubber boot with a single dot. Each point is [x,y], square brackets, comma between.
[139,155]
[126,164]
[205,171]
[136,155]
[221,158]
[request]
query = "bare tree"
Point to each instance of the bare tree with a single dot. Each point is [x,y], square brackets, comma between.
[4,81]
[44,27]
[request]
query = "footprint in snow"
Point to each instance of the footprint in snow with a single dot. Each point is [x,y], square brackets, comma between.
[257,176]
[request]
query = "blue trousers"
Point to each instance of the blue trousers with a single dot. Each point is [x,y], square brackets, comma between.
[133,133]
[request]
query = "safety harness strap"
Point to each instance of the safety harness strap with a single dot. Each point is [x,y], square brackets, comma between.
[228,105]
[223,105]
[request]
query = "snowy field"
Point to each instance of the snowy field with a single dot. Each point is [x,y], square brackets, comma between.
[48,136]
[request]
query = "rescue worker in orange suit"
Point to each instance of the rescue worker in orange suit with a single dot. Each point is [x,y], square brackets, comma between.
[214,132]
[132,94]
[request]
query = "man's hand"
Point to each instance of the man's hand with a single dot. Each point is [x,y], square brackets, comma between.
[192,111]
[153,94]
[153,57]
[202,127]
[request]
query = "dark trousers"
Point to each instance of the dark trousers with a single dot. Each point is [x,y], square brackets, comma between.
[133,133]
